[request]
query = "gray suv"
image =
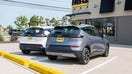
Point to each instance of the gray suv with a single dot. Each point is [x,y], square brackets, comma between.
[82,42]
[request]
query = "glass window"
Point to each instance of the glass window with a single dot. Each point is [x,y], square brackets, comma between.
[75,2]
[128,5]
[107,6]
[104,25]
[84,1]
[34,31]
[89,30]
[66,30]
[96,32]
[78,1]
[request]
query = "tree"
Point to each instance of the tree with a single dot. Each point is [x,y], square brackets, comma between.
[1,38]
[1,25]
[21,22]
[54,22]
[64,20]
[75,22]
[36,21]
[47,21]
[9,27]
[41,20]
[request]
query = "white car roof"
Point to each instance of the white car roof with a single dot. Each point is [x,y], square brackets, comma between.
[44,27]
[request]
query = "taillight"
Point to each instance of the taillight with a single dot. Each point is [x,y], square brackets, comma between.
[41,35]
[74,46]
[76,36]
[48,44]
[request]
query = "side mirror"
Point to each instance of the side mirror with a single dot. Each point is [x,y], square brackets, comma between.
[103,36]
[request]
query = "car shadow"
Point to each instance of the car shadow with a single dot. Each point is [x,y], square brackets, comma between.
[34,56]
[67,60]
[31,54]
[62,60]
[95,57]
[40,57]
[122,46]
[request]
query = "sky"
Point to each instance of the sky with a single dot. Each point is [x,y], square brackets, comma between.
[9,11]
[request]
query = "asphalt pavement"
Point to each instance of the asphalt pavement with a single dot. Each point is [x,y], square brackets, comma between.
[9,67]
[118,62]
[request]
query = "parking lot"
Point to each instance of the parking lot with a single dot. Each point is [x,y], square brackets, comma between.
[119,61]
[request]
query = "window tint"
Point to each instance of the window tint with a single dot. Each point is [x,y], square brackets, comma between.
[34,31]
[50,29]
[104,25]
[75,2]
[91,31]
[66,30]
[37,32]
[96,32]
[88,30]
[128,5]
[15,32]
[107,6]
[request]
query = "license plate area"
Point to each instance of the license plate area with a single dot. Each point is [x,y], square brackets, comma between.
[60,39]
[30,38]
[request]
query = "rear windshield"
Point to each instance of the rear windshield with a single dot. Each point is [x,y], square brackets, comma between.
[34,31]
[66,30]
[15,32]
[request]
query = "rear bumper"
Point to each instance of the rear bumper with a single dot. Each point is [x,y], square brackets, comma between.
[32,47]
[62,51]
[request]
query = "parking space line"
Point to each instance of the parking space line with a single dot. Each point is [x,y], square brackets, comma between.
[100,65]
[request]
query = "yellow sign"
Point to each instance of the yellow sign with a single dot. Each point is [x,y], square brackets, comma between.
[60,39]
[79,5]
[29,38]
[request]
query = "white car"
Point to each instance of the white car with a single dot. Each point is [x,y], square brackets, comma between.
[34,39]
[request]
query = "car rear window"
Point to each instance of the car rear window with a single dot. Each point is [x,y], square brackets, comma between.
[34,31]
[66,30]
[15,32]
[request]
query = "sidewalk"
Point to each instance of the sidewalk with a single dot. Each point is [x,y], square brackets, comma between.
[8,67]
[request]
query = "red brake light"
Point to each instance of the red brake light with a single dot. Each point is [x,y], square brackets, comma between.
[74,46]
[40,35]
[48,44]
[76,36]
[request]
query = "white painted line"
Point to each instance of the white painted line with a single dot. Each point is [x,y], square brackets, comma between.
[100,65]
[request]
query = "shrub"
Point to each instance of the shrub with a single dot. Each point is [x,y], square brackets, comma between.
[1,38]
[14,38]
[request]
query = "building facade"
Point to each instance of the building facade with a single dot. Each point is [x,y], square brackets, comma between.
[111,17]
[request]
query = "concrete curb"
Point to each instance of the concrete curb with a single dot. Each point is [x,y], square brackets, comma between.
[32,65]
[1,52]
[17,59]
[43,69]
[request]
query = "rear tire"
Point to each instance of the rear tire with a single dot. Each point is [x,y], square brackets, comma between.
[106,53]
[26,51]
[51,57]
[85,56]
[44,53]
